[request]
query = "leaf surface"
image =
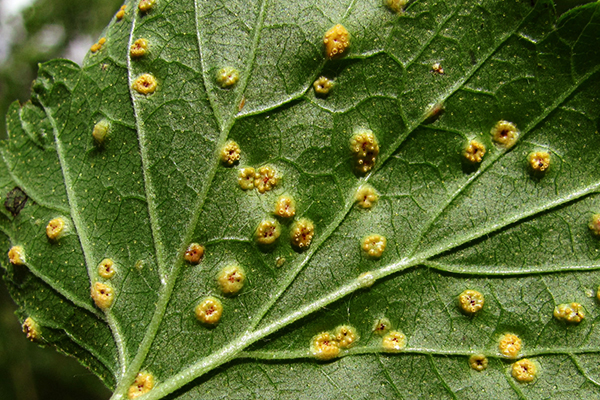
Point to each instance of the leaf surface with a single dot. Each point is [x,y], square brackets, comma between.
[157,184]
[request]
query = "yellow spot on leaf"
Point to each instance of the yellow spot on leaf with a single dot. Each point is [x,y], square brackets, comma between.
[285,207]
[100,131]
[145,84]
[106,268]
[366,279]
[31,329]
[268,231]
[396,5]
[209,311]
[230,153]
[381,326]
[474,152]
[227,77]
[374,245]
[478,362]
[16,255]
[302,233]
[56,228]
[144,382]
[366,196]
[246,178]
[470,301]
[337,41]
[346,336]
[539,161]
[394,342]
[365,148]
[266,179]
[524,370]
[231,279]
[324,346]
[103,295]
[323,85]
[571,312]
[510,345]
[138,48]
[194,253]
[505,134]
[146,5]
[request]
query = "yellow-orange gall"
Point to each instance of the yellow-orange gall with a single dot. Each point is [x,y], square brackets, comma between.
[437,68]
[95,47]
[145,84]
[594,224]
[366,196]
[510,345]
[366,279]
[285,207]
[194,253]
[394,342]
[268,231]
[365,148]
[121,13]
[336,41]
[374,245]
[231,279]
[144,382]
[381,326]
[478,362]
[539,161]
[103,295]
[524,370]
[138,48]
[56,228]
[505,134]
[100,131]
[302,233]
[209,311]
[230,153]
[474,152]
[16,255]
[572,313]
[324,346]
[106,268]
[323,85]
[470,301]
[227,77]
[346,336]
[146,5]
[102,41]
[246,178]
[31,329]
[396,6]
[266,179]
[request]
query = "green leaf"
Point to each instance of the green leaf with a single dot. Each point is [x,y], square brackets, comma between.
[156,183]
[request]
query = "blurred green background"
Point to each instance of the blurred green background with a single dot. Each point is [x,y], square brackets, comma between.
[32,32]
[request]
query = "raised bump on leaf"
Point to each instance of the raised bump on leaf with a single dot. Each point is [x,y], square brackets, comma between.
[346,336]
[474,152]
[138,48]
[106,268]
[510,345]
[524,370]
[396,6]
[209,311]
[97,46]
[366,279]
[505,134]
[594,224]
[145,84]
[336,41]
[366,196]
[16,255]
[437,68]
[246,178]
[470,301]
[539,161]
[365,148]
[394,342]
[323,86]
[231,279]
[268,231]
[478,362]
[302,233]
[382,326]
[146,5]
[324,346]
[572,313]
[144,382]
[227,77]
[194,253]
[266,178]
[31,329]
[230,153]
[285,207]
[103,295]
[101,131]
[121,13]
[56,228]
[374,245]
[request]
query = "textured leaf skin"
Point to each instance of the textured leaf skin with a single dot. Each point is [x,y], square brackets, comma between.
[157,184]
